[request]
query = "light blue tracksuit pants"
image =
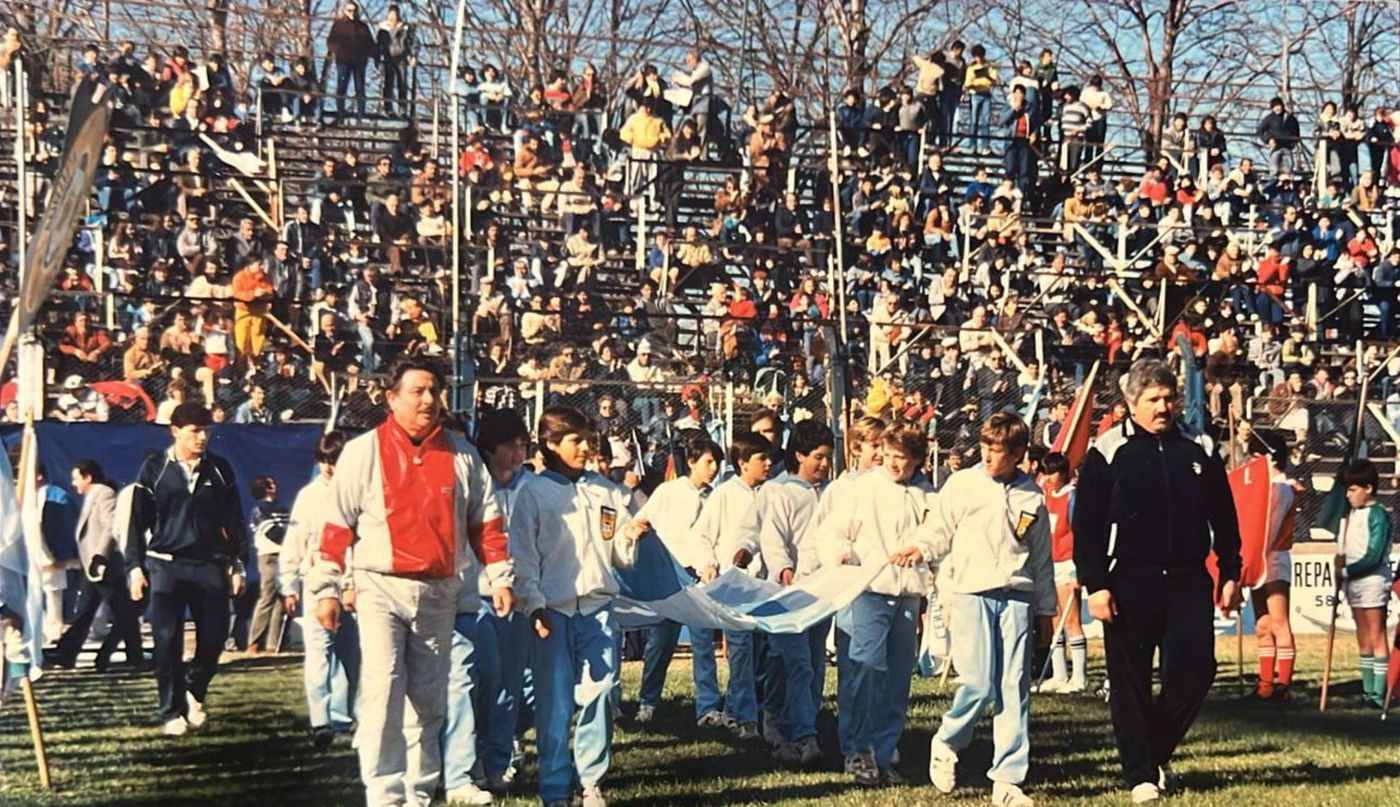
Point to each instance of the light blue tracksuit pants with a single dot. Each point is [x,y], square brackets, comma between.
[332,669]
[875,647]
[574,671]
[795,679]
[661,646]
[488,657]
[991,651]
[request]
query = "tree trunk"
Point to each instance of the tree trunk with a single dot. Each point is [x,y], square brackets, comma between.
[218,26]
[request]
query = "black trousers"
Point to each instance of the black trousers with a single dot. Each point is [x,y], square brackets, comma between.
[202,589]
[1174,613]
[126,621]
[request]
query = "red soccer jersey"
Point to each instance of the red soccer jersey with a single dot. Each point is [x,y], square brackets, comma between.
[1061,537]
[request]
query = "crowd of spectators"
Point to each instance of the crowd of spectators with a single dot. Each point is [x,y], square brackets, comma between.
[988,246]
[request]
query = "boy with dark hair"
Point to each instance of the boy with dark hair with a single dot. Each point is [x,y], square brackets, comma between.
[673,510]
[564,535]
[268,520]
[990,523]
[1363,561]
[1055,480]
[797,668]
[720,531]
[332,666]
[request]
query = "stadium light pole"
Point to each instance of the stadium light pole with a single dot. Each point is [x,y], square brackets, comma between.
[455,70]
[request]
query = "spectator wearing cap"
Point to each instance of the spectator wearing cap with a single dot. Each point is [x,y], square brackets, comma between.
[80,403]
[186,540]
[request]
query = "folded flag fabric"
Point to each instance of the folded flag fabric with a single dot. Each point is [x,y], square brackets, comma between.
[655,587]
[23,648]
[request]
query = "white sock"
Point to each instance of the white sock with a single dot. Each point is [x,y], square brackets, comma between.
[1058,667]
[1079,653]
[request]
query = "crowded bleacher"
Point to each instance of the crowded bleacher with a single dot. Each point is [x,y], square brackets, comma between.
[267,245]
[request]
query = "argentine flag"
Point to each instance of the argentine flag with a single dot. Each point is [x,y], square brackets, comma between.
[23,649]
[656,587]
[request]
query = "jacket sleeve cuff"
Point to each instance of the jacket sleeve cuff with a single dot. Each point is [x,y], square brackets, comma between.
[500,574]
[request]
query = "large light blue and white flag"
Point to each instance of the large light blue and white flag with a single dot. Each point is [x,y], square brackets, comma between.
[655,587]
[20,587]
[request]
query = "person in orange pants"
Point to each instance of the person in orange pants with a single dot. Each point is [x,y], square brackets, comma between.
[252,291]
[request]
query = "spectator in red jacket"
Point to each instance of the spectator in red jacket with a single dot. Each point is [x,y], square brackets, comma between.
[83,347]
[1273,278]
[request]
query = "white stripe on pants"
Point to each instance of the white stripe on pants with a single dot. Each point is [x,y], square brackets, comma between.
[405,649]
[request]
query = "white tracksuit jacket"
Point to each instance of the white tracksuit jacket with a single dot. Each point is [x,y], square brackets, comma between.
[566,539]
[720,531]
[989,535]
[673,509]
[787,507]
[874,517]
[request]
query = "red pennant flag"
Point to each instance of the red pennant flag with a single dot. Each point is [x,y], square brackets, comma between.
[1073,439]
[670,467]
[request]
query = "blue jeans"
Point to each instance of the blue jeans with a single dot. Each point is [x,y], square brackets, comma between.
[795,680]
[875,646]
[501,650]
[981,122]
[344,74]
[661,646]
[465,690]
[741,698]
[331,670]
[575,668]
[991,650]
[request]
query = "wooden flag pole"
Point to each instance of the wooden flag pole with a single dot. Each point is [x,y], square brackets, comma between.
[1331,636]
[25,487]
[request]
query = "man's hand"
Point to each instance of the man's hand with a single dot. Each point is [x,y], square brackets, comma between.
[503,599]
[743,558]
[908,557]
[540,620]
[1102,607]
[138,585]
[347,600]
[236,585]
[1044,630]
[328,613]
[709,573]
[785,577]
[1230,598]
[636,529]
[11,621]
[290,603]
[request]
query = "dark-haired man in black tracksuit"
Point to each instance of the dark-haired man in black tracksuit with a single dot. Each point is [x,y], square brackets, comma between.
[1149,498]
[186,541]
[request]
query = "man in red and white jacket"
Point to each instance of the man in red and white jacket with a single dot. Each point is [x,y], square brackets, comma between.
[415,501]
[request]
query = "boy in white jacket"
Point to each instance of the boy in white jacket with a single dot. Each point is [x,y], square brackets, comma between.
[488,649]
[876,635]
[567,536]
[674,510]
[332,664]
[797,662]
[720,532]
[990,533]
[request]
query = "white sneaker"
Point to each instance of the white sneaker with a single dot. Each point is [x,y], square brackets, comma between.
[1051,686]
[195,714]
[1075,686]
[1167,780]
[1010,796]
[593,797]
[1146,792]
[175,727]
[714,719]
[645,713]
[468,793]
[943,767]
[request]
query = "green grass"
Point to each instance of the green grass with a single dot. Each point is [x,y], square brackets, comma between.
[104,750]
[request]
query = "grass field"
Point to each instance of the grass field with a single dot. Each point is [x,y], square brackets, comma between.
[105,750]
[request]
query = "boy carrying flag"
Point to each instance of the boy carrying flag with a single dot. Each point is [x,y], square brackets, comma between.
[990,534]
